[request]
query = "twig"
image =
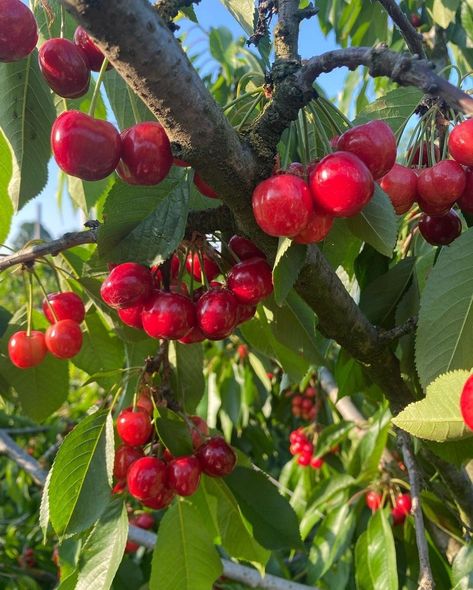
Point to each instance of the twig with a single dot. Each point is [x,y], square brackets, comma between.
[169,9]
[412,37]
[26,430]
[399,331]
[266,10]
[9,448]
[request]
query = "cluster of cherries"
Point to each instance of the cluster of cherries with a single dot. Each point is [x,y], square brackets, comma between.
[401,505]
[302,448]
[153,480]
[142,302]
[303,404]
[144,521]
[63,339]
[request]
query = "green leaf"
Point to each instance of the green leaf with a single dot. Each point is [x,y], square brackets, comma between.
[173,432]
[243,11]
[462,568]
[331,436]
[6,206]
[82,475]
[457,452]
[443,12]
[188,363]
[121,98]
[184,557]
[437,417]
[365,460]
[85,194]
[290,258]
[259,500]
[381,554]
[444,340]
[26,116]
[362,570]
[44,507]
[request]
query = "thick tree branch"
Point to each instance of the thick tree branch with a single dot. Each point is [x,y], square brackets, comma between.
[286,33]
[412,37]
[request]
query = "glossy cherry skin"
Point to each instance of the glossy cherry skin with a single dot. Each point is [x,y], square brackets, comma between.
[168,315]
[374,143]
[404,503]
[217,458]
[373,500]
[66,305]
[162,500]
[466,403]
[194,336]
[27,351]
[200,432]
[92,53]
[145,403]
[64,68]
[244,248]
[460,143]
[127,285]
[465,202]
[316,230]
[216,313]
[440,186]
[440,230]
[125,456]
[317,462]
[251,281]
[398,516]
[282,205]
[18,30]
[184,475]
[131,316]
[85,147]
[245,313]
[146,154]
[64,339]
[146,478]
[194,268]
[400,184]
[204,188]
[341,185]
[134,426]
[143,521]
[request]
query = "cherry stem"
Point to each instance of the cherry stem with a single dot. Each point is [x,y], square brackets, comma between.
[30,305]
[98,84]
[63,22]
[203,276]
[48,303]
[134,106]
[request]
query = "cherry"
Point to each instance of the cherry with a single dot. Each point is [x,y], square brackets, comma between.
[146,478]
[373,500]
[184,475]
[304,460]
[217,458]
[416,21]
[131,316]
[193,337]
[200,432]
[134,426]
[125,456]
[465,202]
[145,402]
[204,188]
[460,143]
[341,185]
[317,462]
[251,280]
[193,266]
[245,313]
[282,205]
[466,402]
[440,230]
[316,229]
[66,305]
[128,284]
[18,30]
[244,248]
[85,147]
[64,68]
[168,315]
[310,392]
[422,158]
[162,500]
[242,352]
[146,154]
[400,184]
[403,504]
[297,169]
[143,521]
[440,186]
[216,313]
[27,351]
[374,143]
[93,54]
[64,339]
[156,271]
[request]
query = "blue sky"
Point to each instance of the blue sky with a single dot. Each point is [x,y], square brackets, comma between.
[211,13]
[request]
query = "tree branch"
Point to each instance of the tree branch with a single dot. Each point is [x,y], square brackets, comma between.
[412,37]
[397,332]
[169,9]
[9,448]
[286,33]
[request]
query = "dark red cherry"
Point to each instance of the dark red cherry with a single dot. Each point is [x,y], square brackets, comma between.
[460,143]
[92,53]
[146,154]
[282,205]
[193,266]
[64,68]
[200,431]
[423,158]
[415,19]
[441,185]
[143,521]
[373,500]
[317,462]
[168,315]
[131,316]
[64,339]
[466,403]
[162,500]
[245,313]
[440,230]
[85,147]
[146,478]
[398,516]
[404,503]
[216,313]
[194,336]
[374,143]
[157,273]
[125,456]
[244,248]
[184,475]
[216,457]
[27,351]
[341,185]
[18,30]
[251,281]
[66,305]
[400,184]
[204,188]
[127,285]
[465,202]
[134,426]
[316,229]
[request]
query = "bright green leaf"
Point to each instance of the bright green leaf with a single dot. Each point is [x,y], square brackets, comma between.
[188,363]
[290,258]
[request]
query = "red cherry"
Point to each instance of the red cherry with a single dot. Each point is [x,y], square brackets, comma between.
[244,248]
[157,272]
[465,202]
[184,475]
[304,460]
[297,400]
[18,30]
[125,456]
[64,68]
[310,392]
[296,169]
[416,21]
[216,313]
[193,337]
[441,185]
[128,284]
[242,352]
[64,339]
[306,404]
[251,281]
[143,521]
[400,184]
[341,185]
[404,503]
[168,315]
[460,143]
[466,402]
[317,462]
[162,500]
[131,316]
[373,500]
[440,230]
[146,154]
[146,478]
[282,205]
[144,401]
[200,432]
[85,147]
[423,158]
[316,229]
[66,305]
[211,269]
[27,351]
[217,458]
[134,426]
[374,143]
[398,516]
[93,54]
[204,188]
[245,313]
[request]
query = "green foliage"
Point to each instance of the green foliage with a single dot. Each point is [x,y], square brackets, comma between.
[290,258]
